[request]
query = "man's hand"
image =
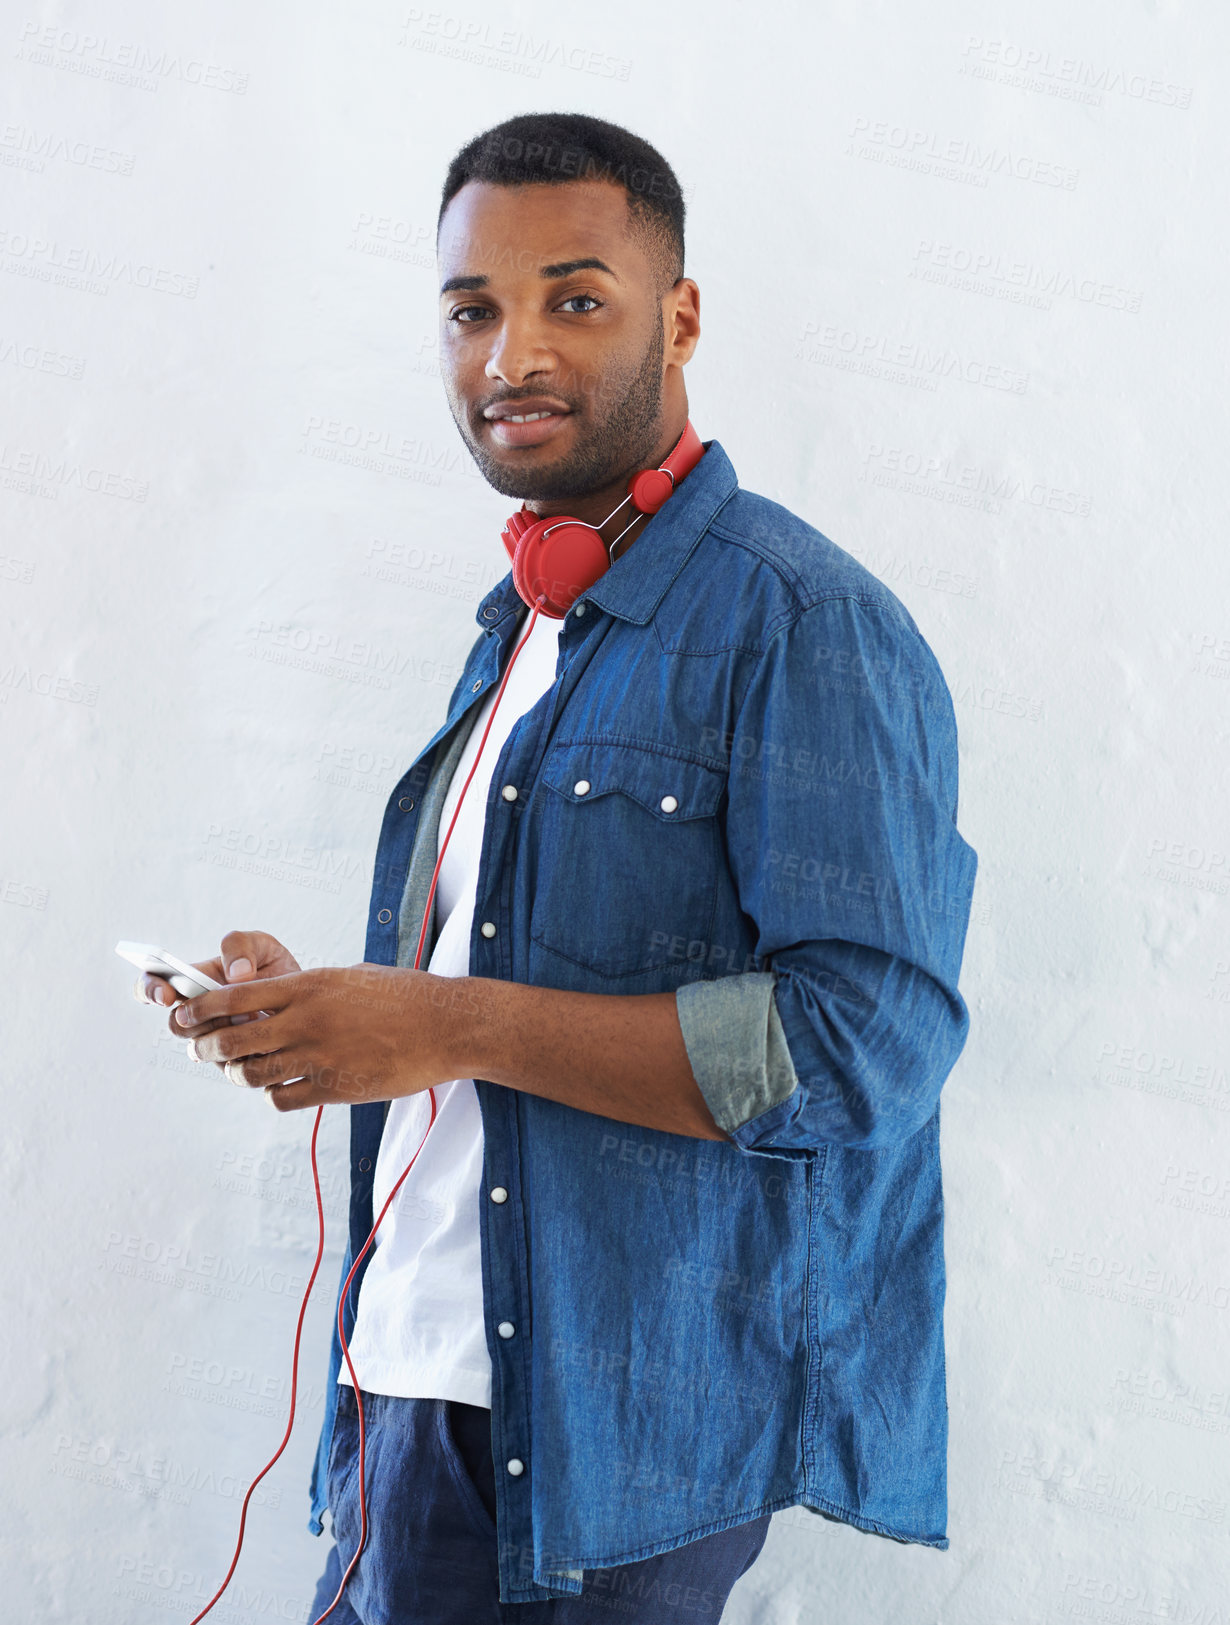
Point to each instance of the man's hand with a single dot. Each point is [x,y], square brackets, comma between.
[244,956]
[376,1032]
[344,1034]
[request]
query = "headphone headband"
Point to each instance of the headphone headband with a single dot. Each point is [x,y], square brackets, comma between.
[647,490]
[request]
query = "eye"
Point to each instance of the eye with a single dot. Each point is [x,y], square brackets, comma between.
[461,310]
[575,296]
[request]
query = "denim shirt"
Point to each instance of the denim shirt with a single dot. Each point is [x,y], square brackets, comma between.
[741,788]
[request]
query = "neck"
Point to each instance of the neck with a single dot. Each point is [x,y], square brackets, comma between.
[624,526]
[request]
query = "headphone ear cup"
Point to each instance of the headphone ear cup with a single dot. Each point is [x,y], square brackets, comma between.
[563,564]
[514,530]
[650,488]
[519,558]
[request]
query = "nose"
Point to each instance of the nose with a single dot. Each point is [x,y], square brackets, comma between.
[519,351]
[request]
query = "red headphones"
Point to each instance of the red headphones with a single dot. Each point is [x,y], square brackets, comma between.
[559,557]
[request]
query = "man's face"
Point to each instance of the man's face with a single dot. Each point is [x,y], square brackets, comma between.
[549,303]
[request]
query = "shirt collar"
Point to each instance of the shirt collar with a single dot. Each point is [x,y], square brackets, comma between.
[636,583]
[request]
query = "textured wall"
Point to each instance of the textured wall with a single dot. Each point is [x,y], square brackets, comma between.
[962,289]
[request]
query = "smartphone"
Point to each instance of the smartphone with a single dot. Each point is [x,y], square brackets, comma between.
[184,978]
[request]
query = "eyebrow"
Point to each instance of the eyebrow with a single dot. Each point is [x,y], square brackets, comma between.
[551,272]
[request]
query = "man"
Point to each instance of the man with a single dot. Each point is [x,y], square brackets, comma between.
[671,1256]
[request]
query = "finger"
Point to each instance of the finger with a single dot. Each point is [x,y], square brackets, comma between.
[198,1029]
[293,1097]
[320,1084]
[191,1051]
[224,1042]
[261,1071]
[261,993]
[239,958]
[257,948]
[323,1085]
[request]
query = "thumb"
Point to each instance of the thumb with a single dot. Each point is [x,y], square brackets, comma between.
[238,969]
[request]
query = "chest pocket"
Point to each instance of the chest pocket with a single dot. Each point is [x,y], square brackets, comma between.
[627,857]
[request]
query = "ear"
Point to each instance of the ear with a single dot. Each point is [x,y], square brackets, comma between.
[681,315]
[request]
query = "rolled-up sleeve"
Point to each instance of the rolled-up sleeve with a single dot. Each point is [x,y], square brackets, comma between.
[840,832]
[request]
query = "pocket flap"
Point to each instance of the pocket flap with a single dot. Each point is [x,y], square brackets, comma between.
[670,787]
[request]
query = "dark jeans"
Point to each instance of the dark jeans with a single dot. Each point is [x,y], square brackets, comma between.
[430,1557]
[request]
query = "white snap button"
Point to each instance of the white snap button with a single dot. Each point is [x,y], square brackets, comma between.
[487,929]
[581,787]
[498,1193]
[516,1468]
[474,687]
[506,1328]
[509,792]
[669,803]
[384,916]
[579,610]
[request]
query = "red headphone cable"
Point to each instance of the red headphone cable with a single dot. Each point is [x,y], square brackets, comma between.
[320,1216]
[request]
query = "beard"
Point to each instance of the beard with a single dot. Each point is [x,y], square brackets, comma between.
[621,438]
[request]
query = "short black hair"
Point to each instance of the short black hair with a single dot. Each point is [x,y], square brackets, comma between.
[546,148]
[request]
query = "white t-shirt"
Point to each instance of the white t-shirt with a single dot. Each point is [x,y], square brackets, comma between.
[419,1324]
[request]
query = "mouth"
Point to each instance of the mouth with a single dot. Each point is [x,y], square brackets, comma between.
[525,423]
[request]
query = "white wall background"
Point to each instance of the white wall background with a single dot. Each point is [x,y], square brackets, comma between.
[962,273]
